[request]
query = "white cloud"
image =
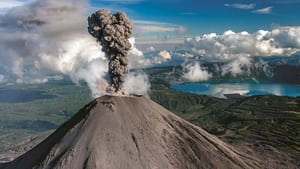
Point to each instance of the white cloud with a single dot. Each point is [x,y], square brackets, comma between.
[266,10]
[153,32]
[237,49]
[5,5]
[162,57]
[153,26]
[231,45]
[10,3]
[237,66]
[150,49]
[287,37]
[137,58]
[2,79]
[193,72]
[241,6]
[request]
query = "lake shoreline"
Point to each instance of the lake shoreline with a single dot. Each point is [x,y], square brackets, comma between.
[238,90]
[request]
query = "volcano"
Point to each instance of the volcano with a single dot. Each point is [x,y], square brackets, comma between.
[130,132]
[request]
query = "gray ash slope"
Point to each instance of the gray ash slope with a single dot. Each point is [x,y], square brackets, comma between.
[130,133]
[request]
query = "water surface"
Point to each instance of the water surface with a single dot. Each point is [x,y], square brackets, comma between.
[246,89]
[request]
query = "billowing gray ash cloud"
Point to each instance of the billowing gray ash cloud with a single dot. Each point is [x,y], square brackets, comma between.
[112,31]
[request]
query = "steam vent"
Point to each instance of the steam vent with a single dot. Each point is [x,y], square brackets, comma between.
[130,132]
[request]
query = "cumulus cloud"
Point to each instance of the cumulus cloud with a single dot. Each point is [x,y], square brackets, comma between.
[137,58]
[237,66]
[266,10]
[283,41]
[193,72]
[241,6]
[163,56]
[287,37]
[237,50]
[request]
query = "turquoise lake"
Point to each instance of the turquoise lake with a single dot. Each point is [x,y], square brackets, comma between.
[246,89]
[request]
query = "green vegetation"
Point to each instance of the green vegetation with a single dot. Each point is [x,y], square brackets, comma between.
[260,120]
[264,120]
[25,123]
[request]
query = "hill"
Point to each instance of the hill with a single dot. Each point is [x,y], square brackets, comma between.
[267,124]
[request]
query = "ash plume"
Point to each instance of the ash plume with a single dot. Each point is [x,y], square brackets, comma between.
[48,37]
[112,31]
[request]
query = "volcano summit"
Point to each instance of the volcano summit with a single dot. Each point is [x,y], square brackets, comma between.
[130,132]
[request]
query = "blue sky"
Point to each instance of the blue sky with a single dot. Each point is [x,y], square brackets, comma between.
[195,17]
[169,19]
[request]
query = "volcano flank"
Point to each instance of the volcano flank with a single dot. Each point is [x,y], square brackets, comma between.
[130,132]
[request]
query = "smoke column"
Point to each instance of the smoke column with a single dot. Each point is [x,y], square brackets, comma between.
[112,31]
